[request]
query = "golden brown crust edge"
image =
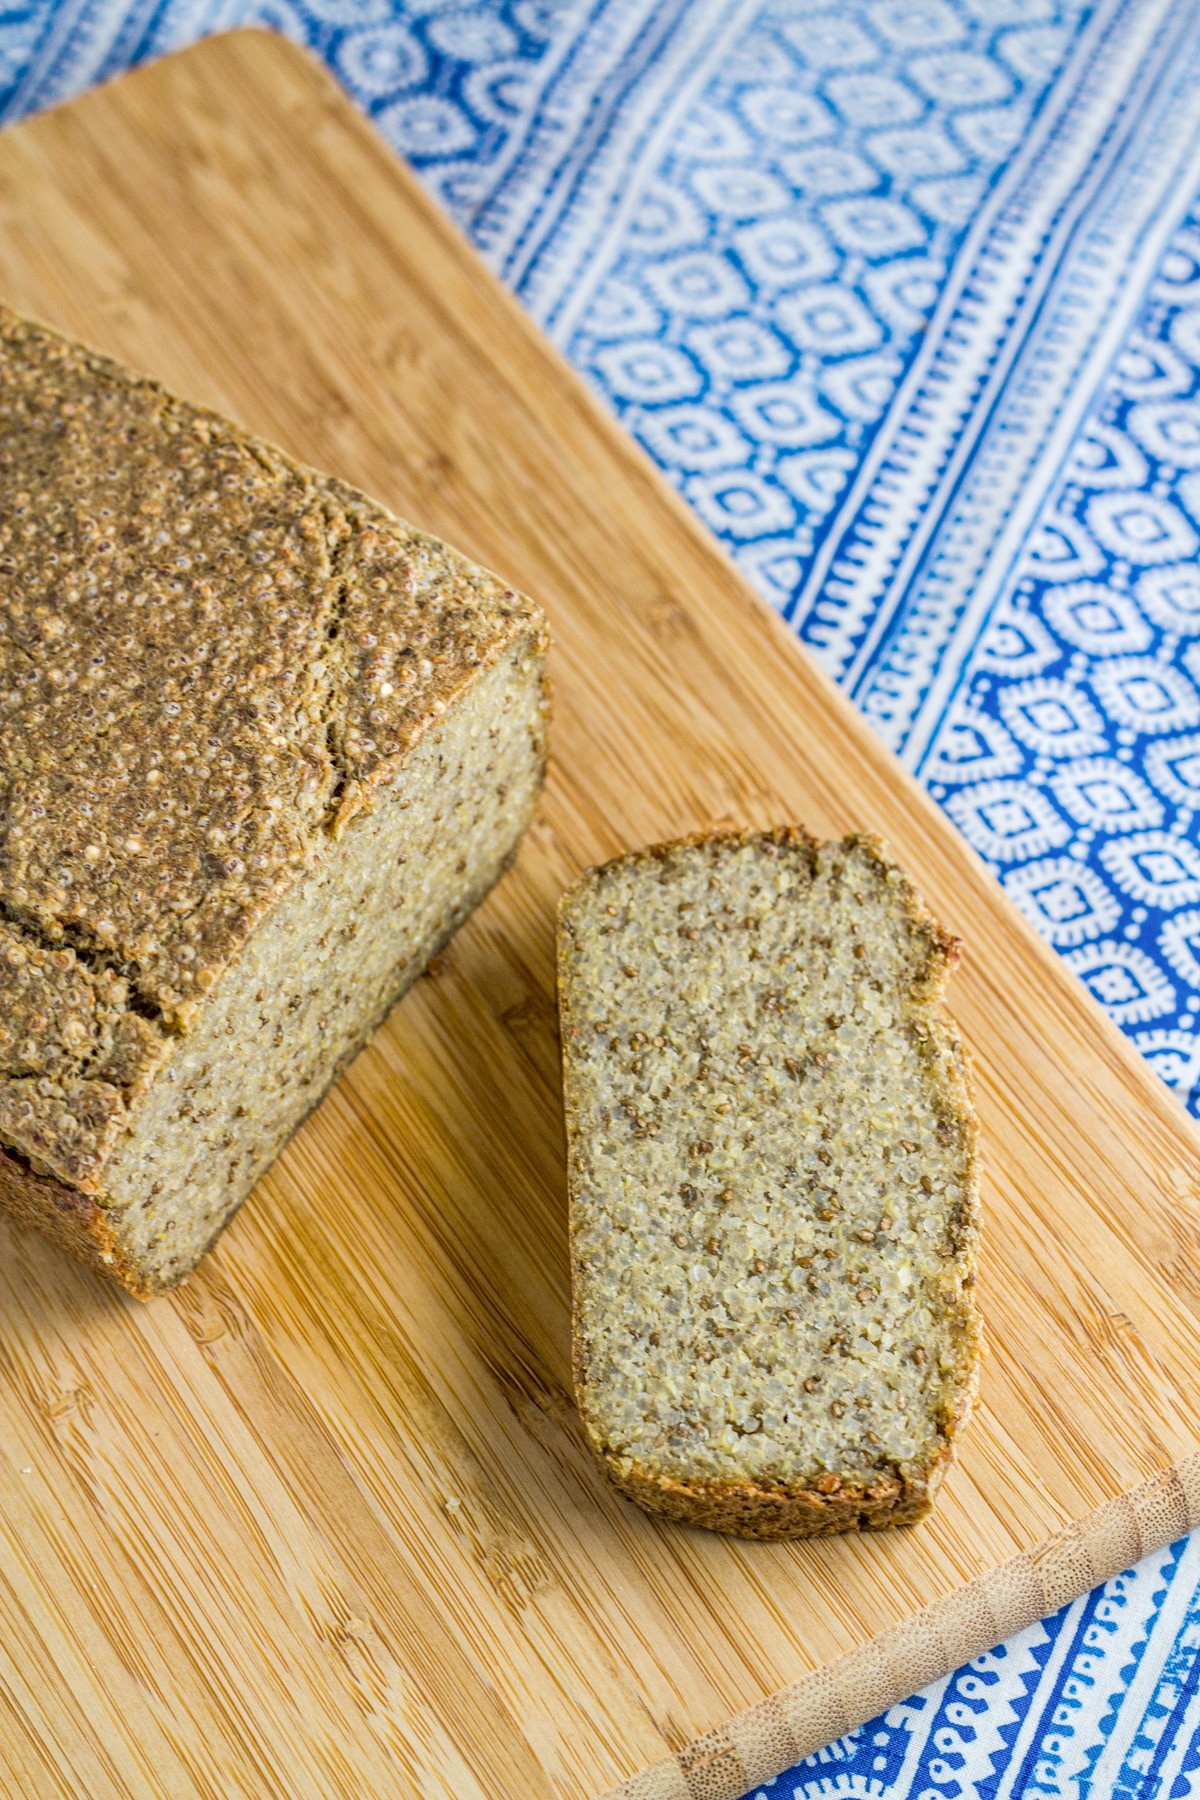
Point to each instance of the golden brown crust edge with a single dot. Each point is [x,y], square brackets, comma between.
[741,1509]
[68,1217]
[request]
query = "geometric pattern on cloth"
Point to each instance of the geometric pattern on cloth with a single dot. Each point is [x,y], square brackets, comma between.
[1069,752]
[1100,1702]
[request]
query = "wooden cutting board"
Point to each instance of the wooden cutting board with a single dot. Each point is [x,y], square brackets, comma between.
[322,1523]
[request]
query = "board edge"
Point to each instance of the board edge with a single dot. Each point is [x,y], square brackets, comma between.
[760,1744]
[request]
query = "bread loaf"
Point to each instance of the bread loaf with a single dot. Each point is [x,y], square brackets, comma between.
[263,747]
[773,1183]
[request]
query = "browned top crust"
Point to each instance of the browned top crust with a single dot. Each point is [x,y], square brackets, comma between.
[210,657]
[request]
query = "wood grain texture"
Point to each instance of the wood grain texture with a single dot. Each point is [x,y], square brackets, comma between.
[323,1524]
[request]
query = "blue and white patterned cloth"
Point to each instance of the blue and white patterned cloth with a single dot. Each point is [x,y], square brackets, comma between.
[1098,1703]
[904,297]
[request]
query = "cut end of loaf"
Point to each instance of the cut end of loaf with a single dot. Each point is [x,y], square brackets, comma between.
[774,1187]
[323,971]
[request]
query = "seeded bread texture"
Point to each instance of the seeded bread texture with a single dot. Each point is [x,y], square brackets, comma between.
[263,746]
[773,1183]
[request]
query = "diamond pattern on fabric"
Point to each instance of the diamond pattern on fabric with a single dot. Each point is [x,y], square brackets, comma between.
[1106,732]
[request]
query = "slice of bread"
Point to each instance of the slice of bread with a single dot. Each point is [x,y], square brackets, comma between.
[773,1183]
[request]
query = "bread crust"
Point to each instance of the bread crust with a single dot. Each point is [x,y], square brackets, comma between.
[744,1509]
[67,1216]
[741,1509]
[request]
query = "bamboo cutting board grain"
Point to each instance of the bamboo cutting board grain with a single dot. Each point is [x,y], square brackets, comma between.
[322,1524]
